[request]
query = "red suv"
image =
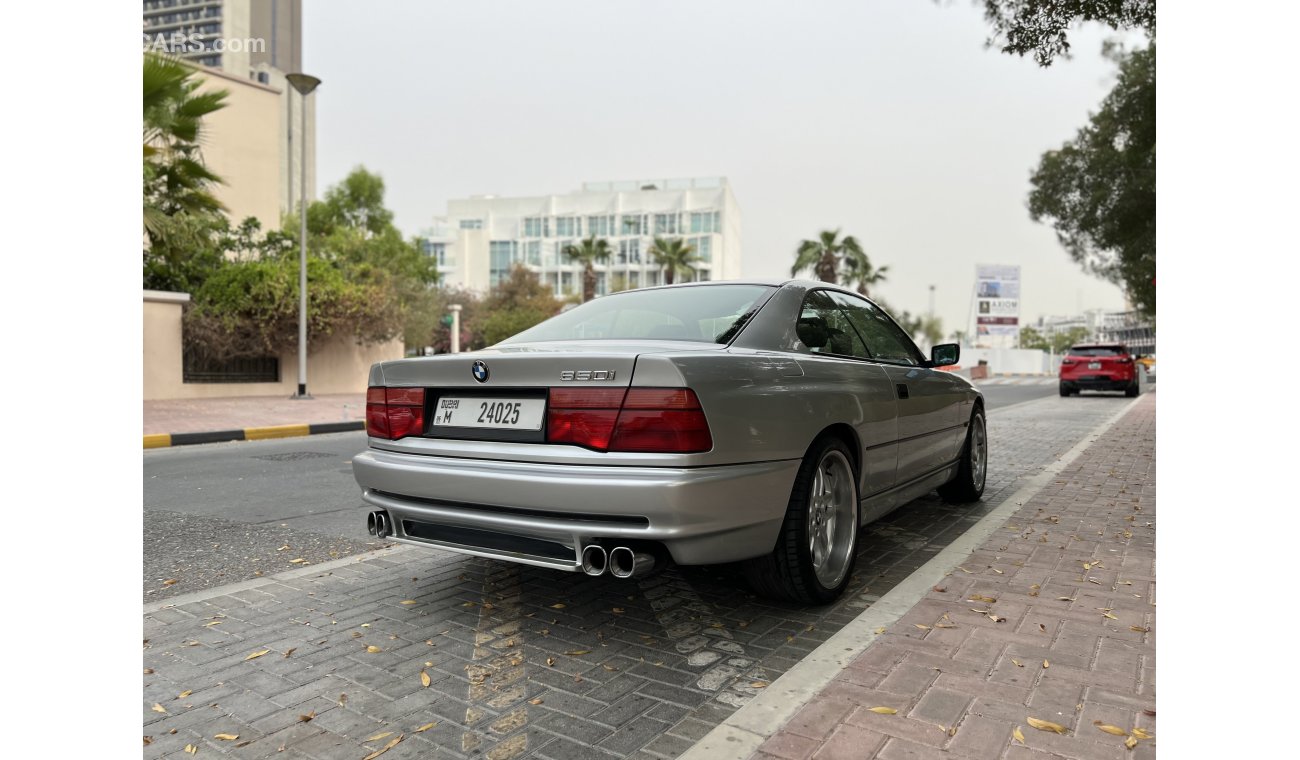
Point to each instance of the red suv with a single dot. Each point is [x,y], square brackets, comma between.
[1099,367]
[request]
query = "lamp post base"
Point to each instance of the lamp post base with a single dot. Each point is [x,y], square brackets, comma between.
[302,394]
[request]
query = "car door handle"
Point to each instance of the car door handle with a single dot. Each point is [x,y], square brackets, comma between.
[902,390]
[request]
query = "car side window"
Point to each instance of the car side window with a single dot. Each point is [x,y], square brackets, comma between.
[884,339]
[824,328]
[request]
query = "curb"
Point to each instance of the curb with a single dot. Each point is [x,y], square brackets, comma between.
[163,440]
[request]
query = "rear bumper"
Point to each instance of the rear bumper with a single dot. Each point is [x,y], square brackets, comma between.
[1099,382]
[543,514]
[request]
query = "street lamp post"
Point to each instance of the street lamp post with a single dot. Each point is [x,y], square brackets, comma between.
[304,84]
[455,327]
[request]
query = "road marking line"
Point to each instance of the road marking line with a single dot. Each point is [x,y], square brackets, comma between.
[740,735]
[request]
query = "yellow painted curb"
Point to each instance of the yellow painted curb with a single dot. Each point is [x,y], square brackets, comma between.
[277,431]
[157,440]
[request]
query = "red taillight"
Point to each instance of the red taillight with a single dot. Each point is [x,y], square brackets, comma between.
[1067,360]
[645,420]
[1125,360]
[394,413]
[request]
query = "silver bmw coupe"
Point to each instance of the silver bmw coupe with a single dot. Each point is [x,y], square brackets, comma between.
[754,422]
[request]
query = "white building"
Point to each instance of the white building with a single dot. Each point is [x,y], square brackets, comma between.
[482,237]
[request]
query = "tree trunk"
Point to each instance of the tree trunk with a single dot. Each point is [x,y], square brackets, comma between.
[588,283]
[826,268]
[669,275]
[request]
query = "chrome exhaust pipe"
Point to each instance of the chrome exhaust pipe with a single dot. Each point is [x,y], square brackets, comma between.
[594,560]
[625,563]
[378,525]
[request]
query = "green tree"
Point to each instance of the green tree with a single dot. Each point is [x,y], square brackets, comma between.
[1031,338]
[672,255]
[250,309]
[859,273]
[1063,340]
[1099,189]
[1040,26]
[588,252]
[353,229]
[176,180]
[827,255]
[516,304]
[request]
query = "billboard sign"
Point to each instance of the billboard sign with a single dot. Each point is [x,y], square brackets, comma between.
[997,299]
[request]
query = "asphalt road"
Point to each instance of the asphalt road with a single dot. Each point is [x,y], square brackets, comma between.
[221,513]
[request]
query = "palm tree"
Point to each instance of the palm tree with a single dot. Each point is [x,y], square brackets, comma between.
[826,255]
[175,177]
[673,255]
[859,273]
[589,252]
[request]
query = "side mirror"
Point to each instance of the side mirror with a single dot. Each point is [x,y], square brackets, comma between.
[945,355]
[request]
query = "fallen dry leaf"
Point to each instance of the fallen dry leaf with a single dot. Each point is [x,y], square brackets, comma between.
[1017,663]
[1046,664]
[226,737]
[257,654]
[881,629]
[883,710]
[1112,730]
[391,743]
[214,622]
[191,749]
[1130,743]
[759,684]
[550,661]
[377,737]
[618,610]
[425,727]
[922,627]
[297,561]
[535,701]
[1046,725]
[185,694]
[578,652]
[558,606]
[148,740]
[373,649]
[1143,734]
[940,589]
[424,678]
[170,582]
[308,718]
[1139,629]
[158,708]
[982,598]
[148,671]
[408,601]
[1018,735]
[290,651]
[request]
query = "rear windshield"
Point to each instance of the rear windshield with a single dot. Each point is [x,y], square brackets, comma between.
[704,314]
[1098,351]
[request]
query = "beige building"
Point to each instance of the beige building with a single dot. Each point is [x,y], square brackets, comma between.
[246,47]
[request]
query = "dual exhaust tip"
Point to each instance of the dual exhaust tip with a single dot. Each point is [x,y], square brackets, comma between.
[621,562]
[378,524]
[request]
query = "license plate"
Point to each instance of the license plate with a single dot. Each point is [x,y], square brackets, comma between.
[1094,365]
[480,412]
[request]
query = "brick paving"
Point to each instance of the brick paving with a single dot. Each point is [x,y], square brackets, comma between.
[526,662]
[1053,618]
[207,414]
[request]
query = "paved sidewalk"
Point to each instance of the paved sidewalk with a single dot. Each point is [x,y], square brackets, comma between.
[1052,619]
[202,415]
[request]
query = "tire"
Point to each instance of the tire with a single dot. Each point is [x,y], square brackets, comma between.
[825,494]
[1065,390]
[967,485]
[1132,390]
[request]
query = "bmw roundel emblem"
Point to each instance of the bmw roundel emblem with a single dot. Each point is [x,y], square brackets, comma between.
[480,370]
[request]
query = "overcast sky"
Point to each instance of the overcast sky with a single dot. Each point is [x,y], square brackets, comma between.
[888,118]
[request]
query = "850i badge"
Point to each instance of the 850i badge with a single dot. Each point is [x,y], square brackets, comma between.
[587,374]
